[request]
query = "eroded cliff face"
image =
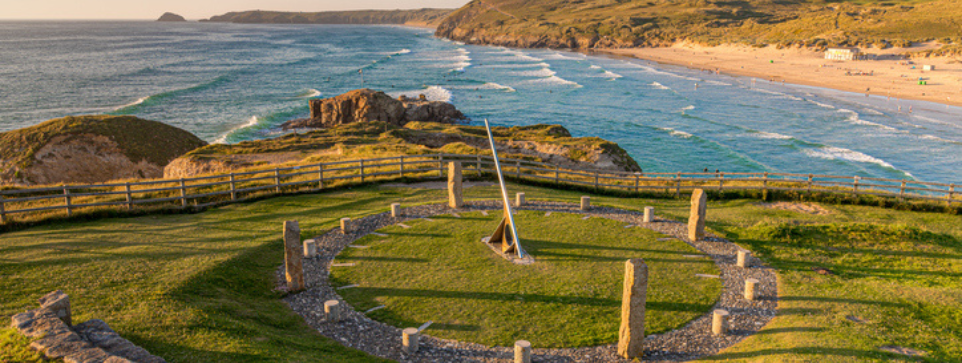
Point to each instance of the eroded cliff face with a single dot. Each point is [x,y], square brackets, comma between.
[364,105]
[81,158]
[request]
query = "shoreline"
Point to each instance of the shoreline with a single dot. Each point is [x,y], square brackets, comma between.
[890,76]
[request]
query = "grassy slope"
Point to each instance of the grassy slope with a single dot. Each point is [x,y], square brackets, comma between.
[139,139]
[432,271]
[197,287]
[655,22]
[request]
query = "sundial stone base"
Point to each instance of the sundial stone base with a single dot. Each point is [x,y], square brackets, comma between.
[510,256]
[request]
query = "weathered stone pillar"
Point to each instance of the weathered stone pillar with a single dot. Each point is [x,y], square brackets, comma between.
[649,214]
[585,203]
[293,256]
[332,309]
[395,210]
[310,248]
[58,302]
[455,193]
[742,259]
[522,351]
[696,220]
[519,200]
[409,340]
[345,225]
[750,288]
[719,322]
[631,335]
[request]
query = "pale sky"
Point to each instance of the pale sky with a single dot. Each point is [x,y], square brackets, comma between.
[191,9]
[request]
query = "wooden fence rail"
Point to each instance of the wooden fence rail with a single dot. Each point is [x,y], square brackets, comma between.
[211,190]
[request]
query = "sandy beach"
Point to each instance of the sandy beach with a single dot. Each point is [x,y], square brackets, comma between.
[888,75]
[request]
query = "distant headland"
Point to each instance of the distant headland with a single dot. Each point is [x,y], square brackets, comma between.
[416,17]
[171,17]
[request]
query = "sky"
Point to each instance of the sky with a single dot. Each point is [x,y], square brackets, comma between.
[191,9]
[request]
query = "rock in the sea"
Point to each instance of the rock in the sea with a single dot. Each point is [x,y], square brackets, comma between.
[91,149]
[171,17]
[364,105]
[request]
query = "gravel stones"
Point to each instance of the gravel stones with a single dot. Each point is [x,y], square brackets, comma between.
[692,341]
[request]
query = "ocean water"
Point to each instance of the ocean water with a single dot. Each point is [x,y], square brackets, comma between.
[230,82]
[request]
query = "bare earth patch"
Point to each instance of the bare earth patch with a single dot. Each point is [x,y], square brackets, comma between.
[797,207]
[902,350]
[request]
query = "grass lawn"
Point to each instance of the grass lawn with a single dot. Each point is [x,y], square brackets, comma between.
[198,288]
[570,297]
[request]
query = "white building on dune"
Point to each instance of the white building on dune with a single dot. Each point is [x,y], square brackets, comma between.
[842,54]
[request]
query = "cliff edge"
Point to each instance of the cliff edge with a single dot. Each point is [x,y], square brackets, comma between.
[90,149]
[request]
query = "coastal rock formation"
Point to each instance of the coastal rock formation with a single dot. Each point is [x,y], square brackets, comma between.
[171,17]
[90,149]
[546,143]
[364,105]
[417,17]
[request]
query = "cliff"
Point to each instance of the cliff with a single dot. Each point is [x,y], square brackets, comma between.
[171,17]
[585,24]
[365,105]
[546,143]
[90,149]
[418,17]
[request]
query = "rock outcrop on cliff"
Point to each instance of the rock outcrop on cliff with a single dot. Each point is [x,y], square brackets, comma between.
[546,143]
[364,105]
[171,17]
[90,149]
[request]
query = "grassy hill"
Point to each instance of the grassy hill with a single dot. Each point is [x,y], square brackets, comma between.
[427,17]
[624,23]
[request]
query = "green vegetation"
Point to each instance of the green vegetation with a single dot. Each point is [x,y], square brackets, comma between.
[199,287]
[418,16]
[138,139]
[439,271]
[13,348]
[619,23]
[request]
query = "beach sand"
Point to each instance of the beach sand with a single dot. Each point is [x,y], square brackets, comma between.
[890,76]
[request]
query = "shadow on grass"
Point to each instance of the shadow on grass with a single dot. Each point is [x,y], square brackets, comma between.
[821,354]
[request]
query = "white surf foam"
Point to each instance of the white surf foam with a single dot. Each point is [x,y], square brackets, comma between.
[594,67]
[522,55]
[553,80]
[135,103]
[770,135]
[836,153]
[659,86]
[777,94]
[432,93]
[676,133]
[819,104]
[559,56]
[543,72]
[853,118]
[250,123]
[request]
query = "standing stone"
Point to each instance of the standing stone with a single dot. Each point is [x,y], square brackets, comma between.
[293,256]
[345,225]
[395,210]
[742,259]
[409,340]
[585,203]
[332,309]
[58,302]
[522,351]
[455,195]
[750,289]
[631,336]
[519,200]
[719,322]
[649,214]
[310,248]
[696,220]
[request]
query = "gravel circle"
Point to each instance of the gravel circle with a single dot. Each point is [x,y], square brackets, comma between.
[692,341]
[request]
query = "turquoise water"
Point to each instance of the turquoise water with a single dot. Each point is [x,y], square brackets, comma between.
[229,83]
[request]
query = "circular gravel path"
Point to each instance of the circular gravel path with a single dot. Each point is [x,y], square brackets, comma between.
[692,341]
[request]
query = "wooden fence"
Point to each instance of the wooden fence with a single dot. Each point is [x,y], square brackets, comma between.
[211,190]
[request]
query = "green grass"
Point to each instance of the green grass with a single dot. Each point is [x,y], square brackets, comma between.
[13,348]
[198,287]
[440,271]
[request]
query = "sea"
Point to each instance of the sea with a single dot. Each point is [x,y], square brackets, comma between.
[228,83]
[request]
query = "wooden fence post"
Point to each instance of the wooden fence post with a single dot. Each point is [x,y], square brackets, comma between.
[636,182]
[855,185]
[765,187]
[596,180]
[130,204]
[362,170]
[557,174]
[277,180]
[677,185]
[402,166]
[951,193]
[902,191]
[233,187]
[478,165]
[320,176]
[66,198]
[721,181]
[441,166]
[183,193]
[3,212]
[810,178]
[518,165]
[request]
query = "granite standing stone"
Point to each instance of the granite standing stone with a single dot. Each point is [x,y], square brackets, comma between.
[455,194]
[519,200]
[696,220]
[742,259]
[631,335]
[310,248]
[332,309]
[58,302]
[649,215]
[345,225]
[719,322]
[395,210]
[585,203]
[293,256]
[522,351]
[750,288]
[409,340]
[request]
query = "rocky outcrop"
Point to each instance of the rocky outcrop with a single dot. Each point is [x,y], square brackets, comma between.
[90,341]
[171,17]
[364,105]
[91,149]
